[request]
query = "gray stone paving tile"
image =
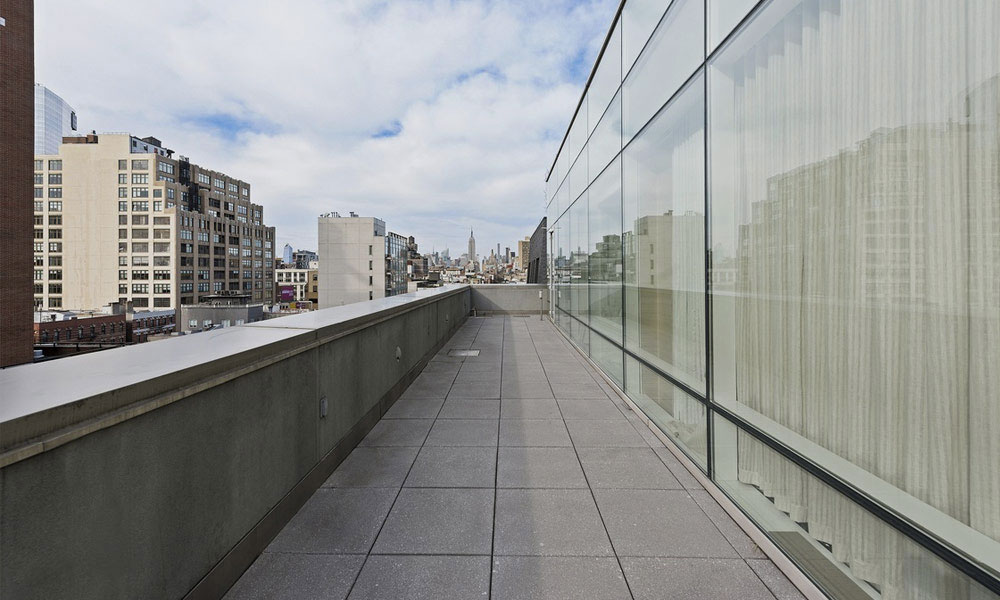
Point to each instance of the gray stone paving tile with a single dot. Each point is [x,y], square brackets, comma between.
[533,432]
[438,521]
[476,389]
[470,408]
[682,578]
[375,466]
[398,432]
[775,580]
[515,388]
[539,468]
[428,386]
[660,523]
[549,523]
[626,468]
[463,432]
[336,521]
[479,365]
[454,466]
[524,375]
[529,408]
[684,476]
[423,578]
[746,547]
[605,434]
[441,369]
[483,377]
[589,410]
[277,576]
[577,389]
[558,578]
[414,408]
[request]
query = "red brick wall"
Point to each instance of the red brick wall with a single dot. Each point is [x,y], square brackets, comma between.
[17,130]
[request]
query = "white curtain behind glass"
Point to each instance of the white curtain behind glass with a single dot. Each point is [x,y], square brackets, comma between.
[866,239]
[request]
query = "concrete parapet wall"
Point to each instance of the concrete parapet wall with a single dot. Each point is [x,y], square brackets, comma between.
[511,299]
[162,470]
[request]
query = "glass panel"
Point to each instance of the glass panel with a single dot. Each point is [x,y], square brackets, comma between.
[578,260]
[639,18]
[578,178]
[676,414]
[723,15]
[673,54]
[578,132]
[608,357]
[607,78]
[606,142]
[856,242]
[847,551]
[664,207]
[605,249]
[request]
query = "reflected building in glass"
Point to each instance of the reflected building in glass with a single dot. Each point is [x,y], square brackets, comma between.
[776,226]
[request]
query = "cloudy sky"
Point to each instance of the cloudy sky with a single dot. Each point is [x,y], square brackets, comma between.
[436,116]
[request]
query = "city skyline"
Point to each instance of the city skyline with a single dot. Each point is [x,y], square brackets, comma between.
[494,116]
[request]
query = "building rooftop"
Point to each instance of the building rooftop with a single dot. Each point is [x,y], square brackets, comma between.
[516,473]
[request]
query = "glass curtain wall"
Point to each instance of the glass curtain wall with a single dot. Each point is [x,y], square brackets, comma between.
[782,218]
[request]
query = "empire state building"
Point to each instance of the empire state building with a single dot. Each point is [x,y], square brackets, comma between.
[472,248]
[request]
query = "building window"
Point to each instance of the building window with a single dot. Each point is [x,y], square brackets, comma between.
[55,234]
[55,246]
[122,165]
[140,205]
[123,178]
[55,219]
[140,177]
[54,205]
[123,205]
[55,165]
[39,165]
[140,192]
[55,178]
[55,192]
[141,165]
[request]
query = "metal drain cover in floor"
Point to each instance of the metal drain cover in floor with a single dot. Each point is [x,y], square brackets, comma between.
[463,353]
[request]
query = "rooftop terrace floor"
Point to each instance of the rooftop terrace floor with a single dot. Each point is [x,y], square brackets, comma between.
[517,473]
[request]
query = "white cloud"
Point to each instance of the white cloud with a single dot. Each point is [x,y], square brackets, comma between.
[288,96]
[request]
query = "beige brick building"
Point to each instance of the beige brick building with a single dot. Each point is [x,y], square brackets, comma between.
[119,218]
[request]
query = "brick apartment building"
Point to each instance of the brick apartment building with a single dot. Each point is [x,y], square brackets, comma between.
[17,98]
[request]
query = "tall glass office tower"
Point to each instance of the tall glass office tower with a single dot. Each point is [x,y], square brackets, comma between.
[776,225]
[54,119]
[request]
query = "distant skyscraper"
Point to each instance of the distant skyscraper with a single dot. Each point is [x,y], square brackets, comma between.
[287,254]
[472,247]
[359,260]
[54,119]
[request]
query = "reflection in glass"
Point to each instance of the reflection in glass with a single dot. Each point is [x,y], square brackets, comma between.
[664,207]
[856,246]
[676,414]
[606,141]
[579,261]
[854,236]
[605,248]
[639,18]
[608,357]
[607,78]
[673,54]
[723,16]
[846,550]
